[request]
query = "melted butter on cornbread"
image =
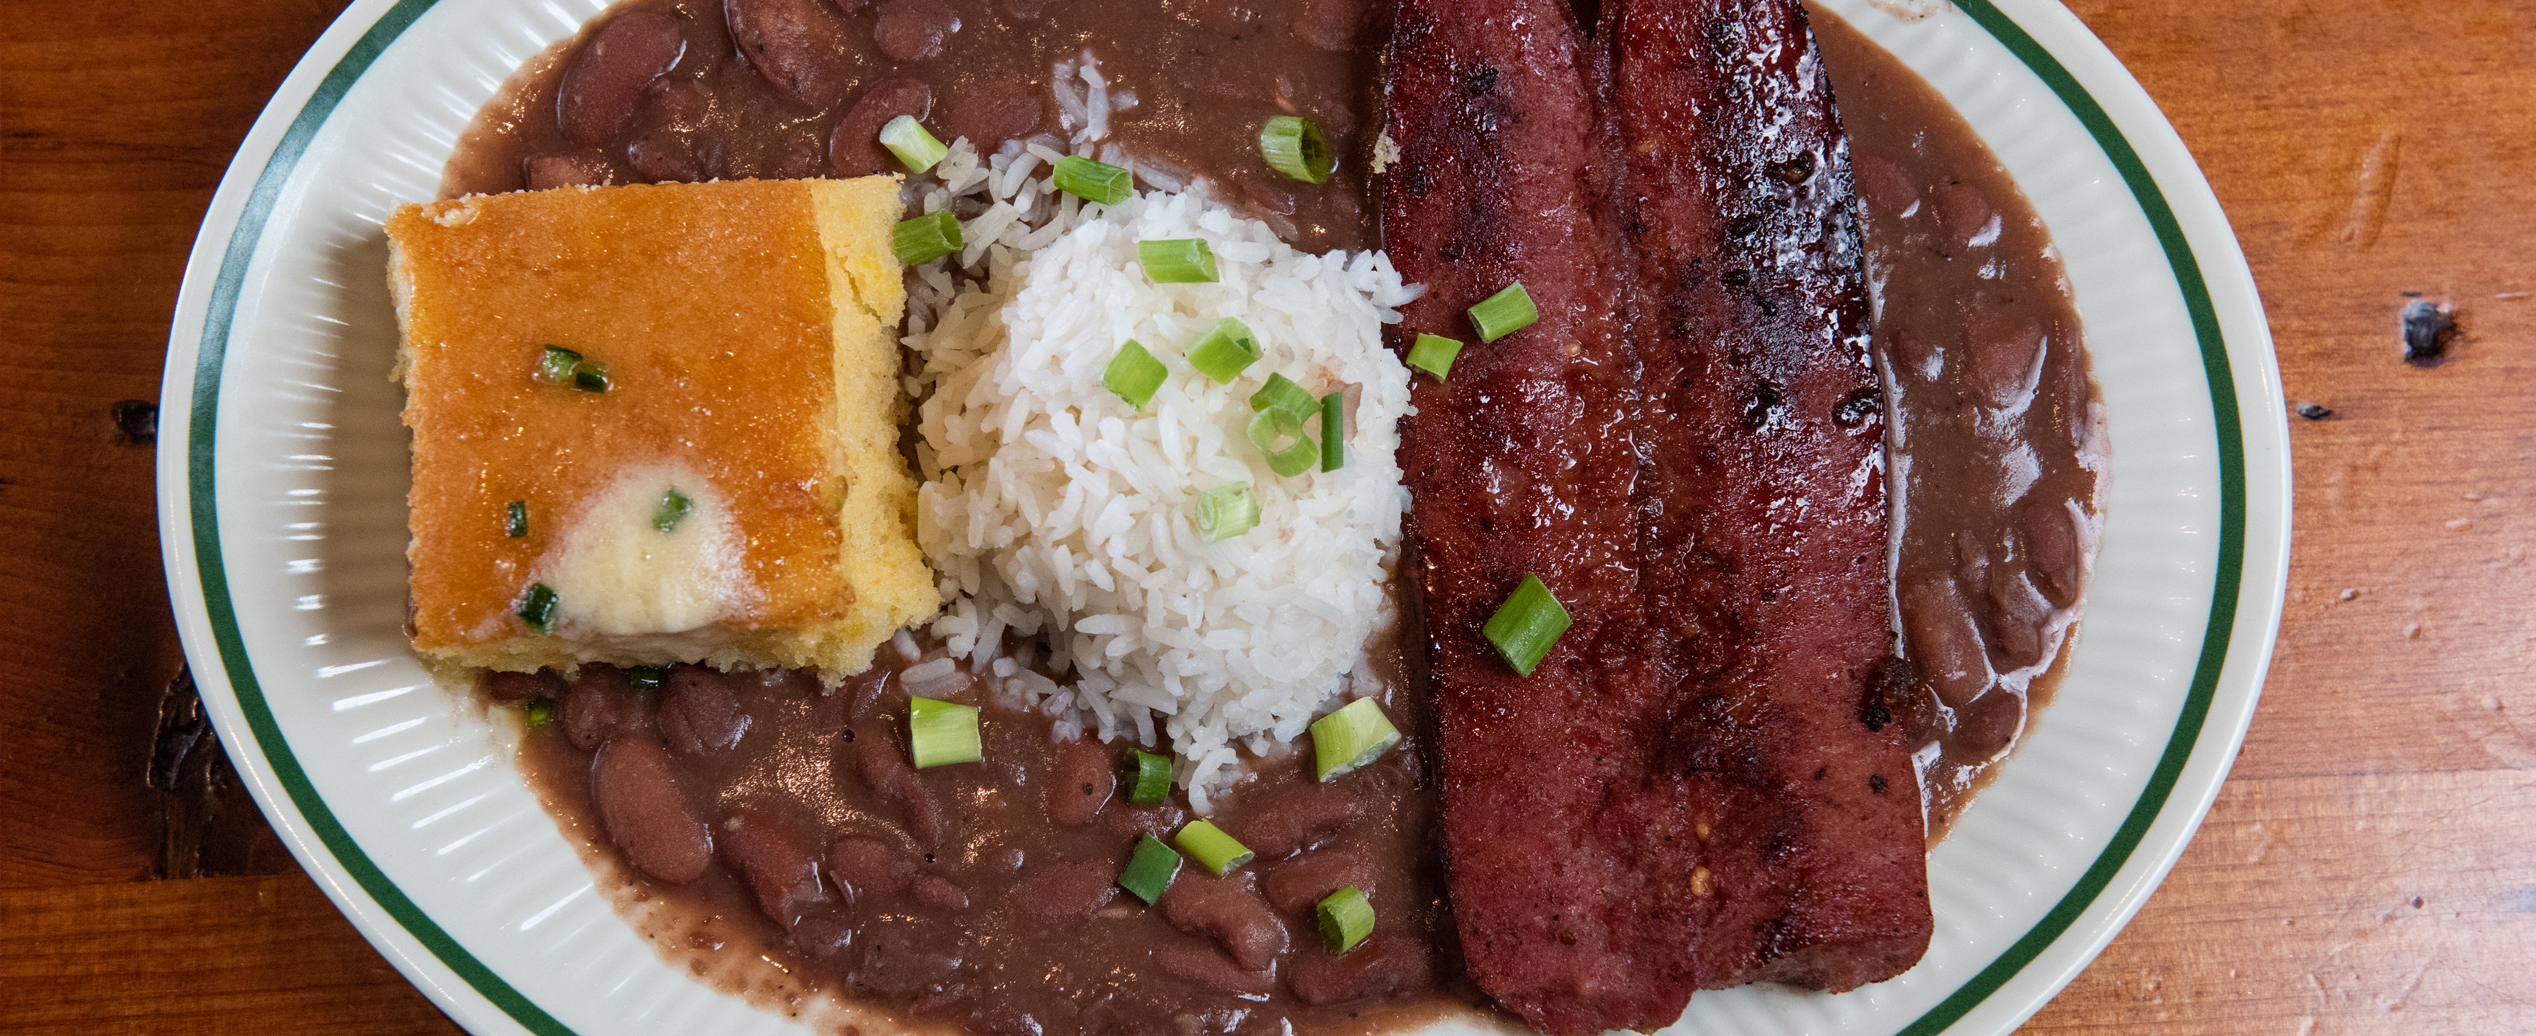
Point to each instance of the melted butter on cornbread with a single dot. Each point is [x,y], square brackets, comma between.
[618,573]
[748,334]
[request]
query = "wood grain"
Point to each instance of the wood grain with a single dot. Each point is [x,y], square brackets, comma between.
[2362,151]
[206,955]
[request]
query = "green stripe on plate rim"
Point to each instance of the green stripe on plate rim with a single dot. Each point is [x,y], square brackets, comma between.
[240,670]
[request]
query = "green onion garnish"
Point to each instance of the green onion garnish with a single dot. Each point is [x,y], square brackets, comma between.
[645,678]
[673,509]
[1183,260]
[1093,181]
[555,367]
[1527,624]
[1150,871]
[1212,848]
[940,733]
[1334,431]
[925,238]
[538,712]
[515,519]
[537,608]
[1434,354]
[1226,351]
[1294,458]
[916,148]
[1504,313]
[1346,919]
[1227,511]
[1284,396]
[1152,782]
[561,366]
[1351,737]
[1294,146]
[1134,374]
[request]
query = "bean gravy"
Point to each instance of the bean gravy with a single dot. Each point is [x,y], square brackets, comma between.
[769,833]
[985,895]
[685,90]
[1994,435]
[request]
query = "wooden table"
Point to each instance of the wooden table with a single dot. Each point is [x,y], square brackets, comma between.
[2368,867]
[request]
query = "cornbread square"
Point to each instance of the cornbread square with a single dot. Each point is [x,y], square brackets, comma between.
[722,481]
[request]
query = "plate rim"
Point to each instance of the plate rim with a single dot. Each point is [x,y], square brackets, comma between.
[2235,652]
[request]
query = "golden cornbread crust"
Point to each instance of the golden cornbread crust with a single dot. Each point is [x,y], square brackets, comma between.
[747,330]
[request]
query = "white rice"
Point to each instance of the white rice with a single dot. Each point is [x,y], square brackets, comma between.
[1055,512]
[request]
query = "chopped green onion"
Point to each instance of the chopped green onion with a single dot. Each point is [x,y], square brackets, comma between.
[915,147]
[1183,260]
[1153,777]
[515,519]
[1527,624]
[1294,146]
[925,238]
[1093,181]
[1334,431]
[561,366]
[555,367]
[1213,849]
[673,509]
[1351,737]
[1134,374]
[1346,919]
[1226,351]
[537,608]
[538,712]
[1504,313]
[1434,354]
[1227,511]
[645,678]
[1284,396]
[1294,458]
[940,733]
[1150,870]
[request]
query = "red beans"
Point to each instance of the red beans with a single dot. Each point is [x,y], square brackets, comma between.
[1158,820]
[913,30]
[795,44]
[1944,641]
[1066,894]
[986,892]
[1201,963]
[644,813]
[1087,774]
[1296,886]
[2050,535]
[601,707]
[1963,212]
[1290,820]
[699,714]
[1228,911]
[2007,357]
[868,867]
[551,171]
[938,893]
[514,688]
[855,148]
[1391,962]
[881,764]
[597,96]
[778,871]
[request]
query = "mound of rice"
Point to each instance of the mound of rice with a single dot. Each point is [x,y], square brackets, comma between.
[1055,511]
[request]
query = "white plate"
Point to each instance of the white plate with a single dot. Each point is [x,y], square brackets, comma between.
[282,478]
